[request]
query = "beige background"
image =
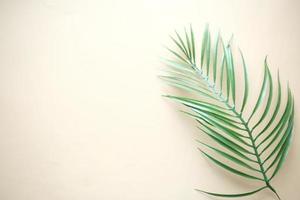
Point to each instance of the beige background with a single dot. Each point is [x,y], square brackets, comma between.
[81,113]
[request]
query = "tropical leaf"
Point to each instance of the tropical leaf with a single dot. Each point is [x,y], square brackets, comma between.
[258,143]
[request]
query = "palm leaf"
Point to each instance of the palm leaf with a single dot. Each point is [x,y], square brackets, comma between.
[260,145]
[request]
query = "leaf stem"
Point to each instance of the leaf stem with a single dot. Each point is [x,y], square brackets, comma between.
[274,191]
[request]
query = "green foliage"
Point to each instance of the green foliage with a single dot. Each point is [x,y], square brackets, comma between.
[258,143]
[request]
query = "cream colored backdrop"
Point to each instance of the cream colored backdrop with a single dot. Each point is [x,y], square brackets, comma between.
[82,117]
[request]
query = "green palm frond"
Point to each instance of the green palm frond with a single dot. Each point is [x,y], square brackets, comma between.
[254,147]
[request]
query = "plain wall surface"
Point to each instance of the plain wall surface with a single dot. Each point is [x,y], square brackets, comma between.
[82,117]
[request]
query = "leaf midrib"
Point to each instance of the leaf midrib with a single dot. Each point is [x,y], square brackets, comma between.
[245,124]
[219,94]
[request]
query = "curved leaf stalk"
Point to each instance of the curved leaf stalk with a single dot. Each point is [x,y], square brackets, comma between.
[219,94]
